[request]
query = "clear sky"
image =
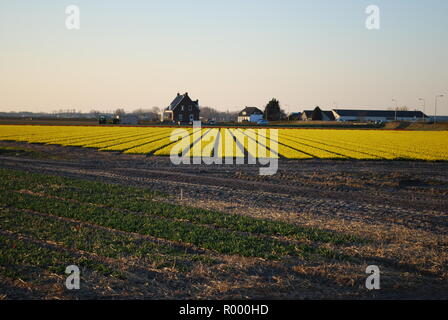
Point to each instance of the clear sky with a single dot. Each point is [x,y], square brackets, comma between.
[139,54]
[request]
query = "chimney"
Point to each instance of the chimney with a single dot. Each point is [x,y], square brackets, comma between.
[186,93]
[178,94]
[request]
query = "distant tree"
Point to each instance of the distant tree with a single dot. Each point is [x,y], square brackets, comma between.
[402,108]
[119,112]
[152,114]
[95,113]
[210,113]
[283,115]
[272,111]
[156,110]
[317,114]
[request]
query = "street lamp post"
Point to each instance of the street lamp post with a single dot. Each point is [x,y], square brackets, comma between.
[435,107]
[424,108]
[396,107]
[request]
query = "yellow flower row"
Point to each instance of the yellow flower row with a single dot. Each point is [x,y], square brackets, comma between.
[233,142]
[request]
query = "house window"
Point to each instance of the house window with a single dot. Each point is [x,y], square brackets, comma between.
[189,108]
[180,117]
[182,108]
[191,117]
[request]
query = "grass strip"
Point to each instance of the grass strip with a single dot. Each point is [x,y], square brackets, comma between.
[141,200]
[18,257]
[98,241]
[222,241]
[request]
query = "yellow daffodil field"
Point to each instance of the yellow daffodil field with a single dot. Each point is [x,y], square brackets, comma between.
[239,142]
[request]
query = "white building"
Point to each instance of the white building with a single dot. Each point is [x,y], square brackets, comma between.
[250,114]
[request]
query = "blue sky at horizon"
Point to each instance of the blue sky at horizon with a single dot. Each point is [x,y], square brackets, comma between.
[228,54]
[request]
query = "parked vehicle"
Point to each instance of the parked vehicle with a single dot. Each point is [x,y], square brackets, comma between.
[102,120]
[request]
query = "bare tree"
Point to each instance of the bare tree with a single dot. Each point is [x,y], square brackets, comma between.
[209,113]
[156,110]
[119,112]
[95,113]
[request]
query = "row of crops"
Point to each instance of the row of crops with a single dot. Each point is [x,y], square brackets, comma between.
[234,142]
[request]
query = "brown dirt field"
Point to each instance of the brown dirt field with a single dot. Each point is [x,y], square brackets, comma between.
[402,206]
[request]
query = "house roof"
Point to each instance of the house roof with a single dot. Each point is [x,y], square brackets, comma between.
[181,98]
[294,115]
[307,113]
[379,113]
[249,111]
[329,114]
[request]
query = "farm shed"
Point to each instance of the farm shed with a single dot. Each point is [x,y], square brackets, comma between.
[378,115]
[317,114]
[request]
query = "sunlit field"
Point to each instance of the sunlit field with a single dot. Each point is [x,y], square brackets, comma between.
[112,201]
[239,142]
